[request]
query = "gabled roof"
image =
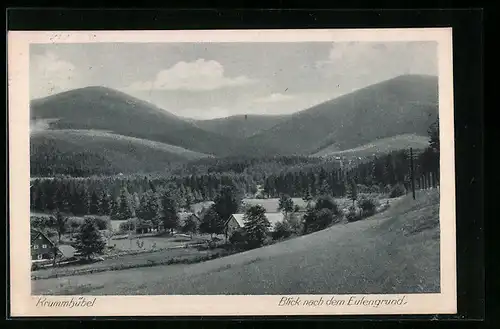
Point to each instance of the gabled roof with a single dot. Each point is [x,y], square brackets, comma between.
[67,251]
[273,217]
[36,233]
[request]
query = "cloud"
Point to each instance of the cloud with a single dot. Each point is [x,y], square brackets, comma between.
[374,61]
[200,75]
[275,98]
[49,75]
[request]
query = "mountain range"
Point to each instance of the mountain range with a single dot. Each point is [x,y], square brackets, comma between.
[135,135]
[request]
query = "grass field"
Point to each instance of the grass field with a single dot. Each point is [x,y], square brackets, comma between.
[128,261]
[396,251]
[154,242]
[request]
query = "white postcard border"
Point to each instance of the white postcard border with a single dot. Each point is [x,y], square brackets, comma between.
[23,304]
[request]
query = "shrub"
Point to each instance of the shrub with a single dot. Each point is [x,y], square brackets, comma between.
[128,225]
[353,214]
[282,230]
[374,189]
[397,191]
[295,223]
[316,220]
[363,188]
[368,205]
[102,223]
[327,202]
[238,239]
[74,223]
[386,189]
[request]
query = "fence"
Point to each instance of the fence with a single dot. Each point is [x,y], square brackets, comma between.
[427,181]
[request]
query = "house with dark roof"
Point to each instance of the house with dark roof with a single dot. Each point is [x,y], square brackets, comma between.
[236,221]
[42,248]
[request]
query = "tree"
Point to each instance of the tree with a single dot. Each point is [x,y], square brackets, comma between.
[325,189]
[113,210]
[190,226]
[434,135]
[169,215]
[89,240]
[188,200]
[327,202]
[124,212]
[211,223]
[282,230]
[104,204]
[94,204]
[285,204]
[324,217]
[307,196]
[256,226]
[352,191]
[61,199]
[58,222]
[309,219]
[226,203]
[295,222]
[317,219]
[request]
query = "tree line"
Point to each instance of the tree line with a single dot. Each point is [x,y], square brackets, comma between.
[374,175]
[100,195]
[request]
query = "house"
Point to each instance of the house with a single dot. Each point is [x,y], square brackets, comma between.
[42,248]
[236,221]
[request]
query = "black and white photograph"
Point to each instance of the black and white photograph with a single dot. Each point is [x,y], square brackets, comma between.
[235,168]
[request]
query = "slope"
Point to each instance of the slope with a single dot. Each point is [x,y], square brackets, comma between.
[240,126]
[403,105]
[99,108]
[86,152]
[379,146]
[396,251]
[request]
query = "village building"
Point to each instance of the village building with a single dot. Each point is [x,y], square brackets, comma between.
[236,221]
[42,248]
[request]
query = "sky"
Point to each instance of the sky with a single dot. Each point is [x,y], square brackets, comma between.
[212,80]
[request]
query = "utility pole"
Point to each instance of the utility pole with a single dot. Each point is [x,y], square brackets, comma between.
[412,173]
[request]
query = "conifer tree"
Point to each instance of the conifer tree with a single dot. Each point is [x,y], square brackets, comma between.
[61,199]
[325,188]
[123,212]
[226,202]
[285,204]
[434,135]
[113,209]
[89,240]
[169,214]
[256,226]
[352,191]
[59,223]
[104,204]
[94,204]
[210,222]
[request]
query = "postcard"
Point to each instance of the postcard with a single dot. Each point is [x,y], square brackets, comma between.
[231,172]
